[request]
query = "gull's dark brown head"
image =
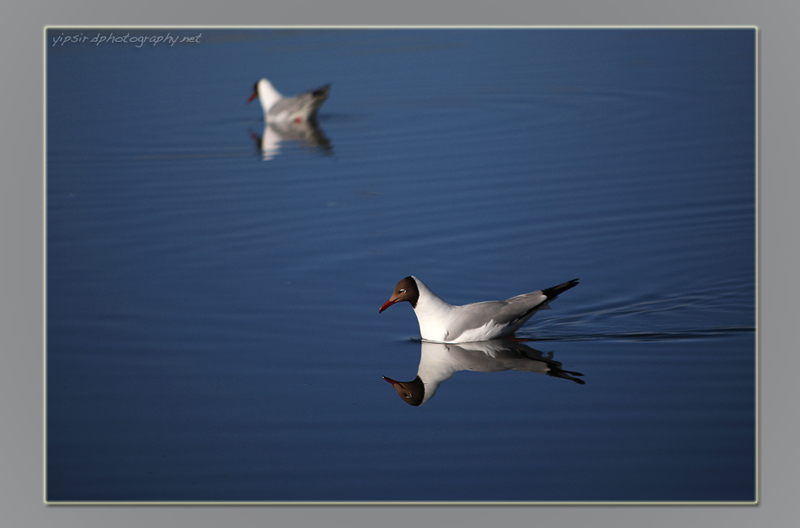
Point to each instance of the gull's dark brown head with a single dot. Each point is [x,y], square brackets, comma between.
[406,290]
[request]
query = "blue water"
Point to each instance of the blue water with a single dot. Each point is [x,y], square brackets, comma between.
[213,287]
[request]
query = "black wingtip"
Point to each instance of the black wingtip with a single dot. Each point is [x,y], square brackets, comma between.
[322,90]
[555,291]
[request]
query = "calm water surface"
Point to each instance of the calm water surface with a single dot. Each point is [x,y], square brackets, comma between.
[213,286]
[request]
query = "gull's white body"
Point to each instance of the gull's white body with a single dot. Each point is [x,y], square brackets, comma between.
[442,322]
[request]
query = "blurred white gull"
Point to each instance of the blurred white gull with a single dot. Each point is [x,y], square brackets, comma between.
[296,109]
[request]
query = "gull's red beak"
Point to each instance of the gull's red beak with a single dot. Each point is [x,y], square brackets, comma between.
[390,380]
[255,94]
[387,304]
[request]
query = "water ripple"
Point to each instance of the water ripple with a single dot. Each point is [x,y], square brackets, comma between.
[664,335]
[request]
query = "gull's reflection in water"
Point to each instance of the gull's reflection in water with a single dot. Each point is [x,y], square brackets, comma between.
[269,142]
[439,361]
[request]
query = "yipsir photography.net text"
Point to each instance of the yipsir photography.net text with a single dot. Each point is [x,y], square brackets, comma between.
[127,38]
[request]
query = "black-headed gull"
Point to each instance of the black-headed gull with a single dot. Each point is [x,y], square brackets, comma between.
[439,361]
[442,322]
[298,108]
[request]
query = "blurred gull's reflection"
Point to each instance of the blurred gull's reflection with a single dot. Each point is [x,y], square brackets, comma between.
[439,361]
[269,143]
